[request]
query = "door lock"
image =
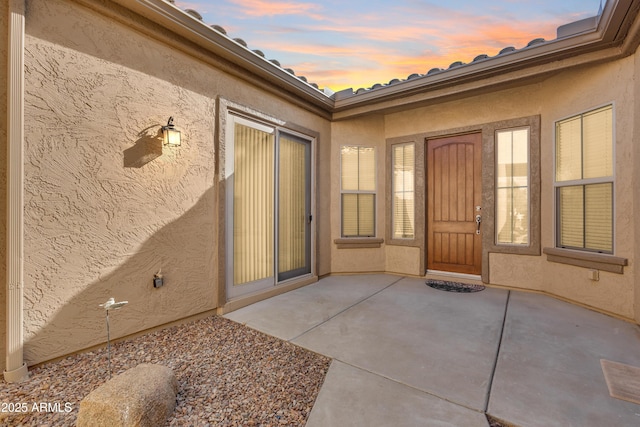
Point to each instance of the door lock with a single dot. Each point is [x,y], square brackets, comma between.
[478,221]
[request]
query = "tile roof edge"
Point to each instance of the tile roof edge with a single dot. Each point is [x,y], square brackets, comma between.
[573,42]
[189,26]
[593,34]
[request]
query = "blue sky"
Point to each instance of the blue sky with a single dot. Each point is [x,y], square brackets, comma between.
[357,43]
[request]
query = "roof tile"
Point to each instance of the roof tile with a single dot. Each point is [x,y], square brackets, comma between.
[346,92]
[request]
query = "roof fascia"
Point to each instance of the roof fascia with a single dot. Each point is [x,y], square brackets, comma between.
[613,25]
[472,87]
[201,34]
[630,31]
[616,27]
[616,17]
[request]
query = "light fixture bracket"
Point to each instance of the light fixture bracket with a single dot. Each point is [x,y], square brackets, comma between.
[170,135]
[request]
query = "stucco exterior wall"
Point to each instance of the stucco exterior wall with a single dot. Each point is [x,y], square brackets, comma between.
[575,92]
[565,94]
[369,132]
[107,205]
[514,271]
[403,260]
[636,173]
[4,18]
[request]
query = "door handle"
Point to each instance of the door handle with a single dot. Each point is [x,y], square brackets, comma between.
[478,221]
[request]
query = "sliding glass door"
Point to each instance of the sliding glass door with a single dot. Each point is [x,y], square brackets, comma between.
[268,203]
[294,207]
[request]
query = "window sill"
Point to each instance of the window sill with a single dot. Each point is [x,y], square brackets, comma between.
[358,242]
[594,261]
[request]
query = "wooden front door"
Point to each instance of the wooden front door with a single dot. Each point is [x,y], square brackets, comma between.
[454,194]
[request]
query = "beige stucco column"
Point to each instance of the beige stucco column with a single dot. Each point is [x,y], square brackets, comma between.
[16,369]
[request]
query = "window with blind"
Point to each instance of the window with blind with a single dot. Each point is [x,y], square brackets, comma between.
[512,187]
[403,215]
[584,181]
[358,188]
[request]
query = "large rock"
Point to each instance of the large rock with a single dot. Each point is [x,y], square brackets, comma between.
[141,396]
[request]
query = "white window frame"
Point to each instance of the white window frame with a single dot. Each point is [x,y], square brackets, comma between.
[235,113]
[374,192]
[587,181]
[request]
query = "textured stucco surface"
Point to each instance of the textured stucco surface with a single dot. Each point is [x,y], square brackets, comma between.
[106,205]
[515,271]
[636,173]
[368,132]
[576,92]
[403,260]
[568,93]
[4,10]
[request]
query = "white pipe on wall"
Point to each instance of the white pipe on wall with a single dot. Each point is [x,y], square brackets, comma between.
[16,369]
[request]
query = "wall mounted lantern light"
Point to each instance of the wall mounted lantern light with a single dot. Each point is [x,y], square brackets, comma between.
[170,135]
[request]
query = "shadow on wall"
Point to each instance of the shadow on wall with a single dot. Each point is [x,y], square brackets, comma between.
[83,30]
[147,148]
[186,252]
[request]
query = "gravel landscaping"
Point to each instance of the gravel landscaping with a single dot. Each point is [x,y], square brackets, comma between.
[228,375]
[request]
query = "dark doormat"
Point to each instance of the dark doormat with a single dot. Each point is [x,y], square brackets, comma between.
[494,422]
[443,285]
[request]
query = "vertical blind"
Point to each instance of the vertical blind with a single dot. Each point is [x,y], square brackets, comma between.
[292,201]
[403,161]
[253,223]
[584,180]
[358,191]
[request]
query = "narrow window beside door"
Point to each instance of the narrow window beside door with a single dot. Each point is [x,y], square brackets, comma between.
[403,191]
[512,187]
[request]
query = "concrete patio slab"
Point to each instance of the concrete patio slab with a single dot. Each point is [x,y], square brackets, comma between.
[407,354]
[548,371]
[443,343]
[353,397]
[288,315]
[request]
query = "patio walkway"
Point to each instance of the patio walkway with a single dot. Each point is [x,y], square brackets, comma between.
[405,354]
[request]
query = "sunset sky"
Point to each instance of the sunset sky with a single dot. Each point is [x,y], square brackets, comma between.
[356,43]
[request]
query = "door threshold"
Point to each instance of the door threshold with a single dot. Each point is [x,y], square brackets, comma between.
[251,298]
[454,275]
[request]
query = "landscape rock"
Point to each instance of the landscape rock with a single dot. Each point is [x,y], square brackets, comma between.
[141,396]
[228,374]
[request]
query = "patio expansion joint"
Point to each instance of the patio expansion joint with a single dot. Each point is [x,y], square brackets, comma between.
[495,362]
[420,390]
[345,309]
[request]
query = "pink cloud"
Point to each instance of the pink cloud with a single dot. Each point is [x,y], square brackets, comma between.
[380,66]
[338,51]
[269,8]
